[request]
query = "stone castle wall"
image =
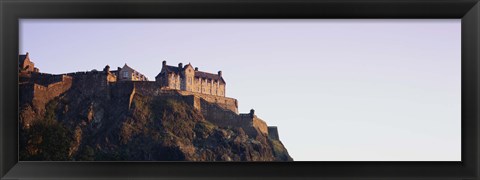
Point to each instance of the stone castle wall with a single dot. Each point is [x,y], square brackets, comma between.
[219,110]
[36,90]
[260,124]
[219,116]
[273,133]
[92,82]
[40,88]
[146,87]
[41,94]
[224,102]
[46,79]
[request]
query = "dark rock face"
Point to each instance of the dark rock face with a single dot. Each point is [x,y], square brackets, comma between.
[108,123]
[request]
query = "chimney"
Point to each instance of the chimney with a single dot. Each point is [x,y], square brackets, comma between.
[252,113]
[164,63]
[220,73]
[180,65]
[196,68]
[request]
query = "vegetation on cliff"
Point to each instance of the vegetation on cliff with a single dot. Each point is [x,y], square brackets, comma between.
[92,127]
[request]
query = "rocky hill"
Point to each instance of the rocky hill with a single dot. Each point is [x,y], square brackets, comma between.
[113,121]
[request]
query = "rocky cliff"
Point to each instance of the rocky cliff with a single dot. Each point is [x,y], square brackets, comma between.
[110,121]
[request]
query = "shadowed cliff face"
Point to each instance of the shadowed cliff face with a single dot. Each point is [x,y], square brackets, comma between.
[112,124]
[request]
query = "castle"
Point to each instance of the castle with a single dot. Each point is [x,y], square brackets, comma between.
[188,79]
[204,91]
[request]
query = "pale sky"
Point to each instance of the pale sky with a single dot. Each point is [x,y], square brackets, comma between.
[338,90]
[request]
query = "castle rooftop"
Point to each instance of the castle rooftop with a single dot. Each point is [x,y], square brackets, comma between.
[198,74]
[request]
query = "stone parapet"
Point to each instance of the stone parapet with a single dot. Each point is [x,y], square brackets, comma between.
[224,102]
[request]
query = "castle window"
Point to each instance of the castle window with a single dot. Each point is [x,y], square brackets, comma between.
[125,74]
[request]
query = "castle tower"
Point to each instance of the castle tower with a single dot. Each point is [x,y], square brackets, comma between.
[189,75]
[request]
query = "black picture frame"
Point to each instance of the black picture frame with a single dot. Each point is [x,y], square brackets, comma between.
[466,10]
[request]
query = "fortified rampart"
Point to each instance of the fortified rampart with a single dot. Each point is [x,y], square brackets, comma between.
[45,79]
[259,124]
[216,114]
[224,102]
[92,83]
[219,110]
[90,78]
[40,88]
[42,94]
[47,93]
